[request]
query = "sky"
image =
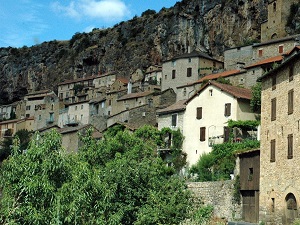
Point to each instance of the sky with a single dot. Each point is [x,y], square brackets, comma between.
[31,22]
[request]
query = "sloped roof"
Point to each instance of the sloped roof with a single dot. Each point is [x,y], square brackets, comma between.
[41,92]
[77,80]
[97,100]
[193,54]
[296,48]
[135,95]
[123,80]
[176,107]
[274,59]
[237,92]
[214,76]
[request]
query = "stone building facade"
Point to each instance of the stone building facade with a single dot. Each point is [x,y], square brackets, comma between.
[187,68]
[280,155]
[278,13]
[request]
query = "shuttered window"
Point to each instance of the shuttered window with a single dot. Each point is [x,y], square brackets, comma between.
[174,120]
[272,155]
[290,101]
[227,109]
[273,109]
[226,134]
[202,133]
[173,74]
[290,146]
[280,49]
[189,72]
[199,113]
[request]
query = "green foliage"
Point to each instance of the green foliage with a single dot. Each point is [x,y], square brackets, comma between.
[222,80]
[118,180]
[78,88]
[202,215]
[255,101]
[293,11]
[237,188]
[220,162]
[12,115]
[244,124]
[296,222]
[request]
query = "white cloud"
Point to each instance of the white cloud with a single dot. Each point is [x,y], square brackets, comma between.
[88,29]
[108,10]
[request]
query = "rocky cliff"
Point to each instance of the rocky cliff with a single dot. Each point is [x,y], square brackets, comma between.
[207,25]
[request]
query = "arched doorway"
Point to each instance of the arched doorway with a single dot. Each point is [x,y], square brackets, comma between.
[291,208]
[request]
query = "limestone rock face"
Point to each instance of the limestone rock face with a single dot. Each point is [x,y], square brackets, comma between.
[206,25]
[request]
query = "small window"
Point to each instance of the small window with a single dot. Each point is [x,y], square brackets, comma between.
[290,101]
[274,6]
[273,82]
[291,73]
[28,107]
[227,109]
[210,92]
[189,72]
[226,134]
[174,120]
[202,133]
[250,175]
[260,52]
[184,91]
[166,77]
[81,106]
[190,60]
[173,63]
[199,113]
[76,107]
[273,109]
[290,146]
[272,155]
[40,117]
[173,74]
[280,49]
[109,102]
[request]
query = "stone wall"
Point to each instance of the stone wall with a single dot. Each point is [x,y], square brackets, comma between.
[219,194]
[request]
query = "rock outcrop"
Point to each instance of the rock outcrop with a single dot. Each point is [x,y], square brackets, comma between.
[207,25]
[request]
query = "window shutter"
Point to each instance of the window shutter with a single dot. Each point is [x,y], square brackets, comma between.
[189,72]
[227,109]
[199,113]
[290,146]
[273,109]
[202,133]
[273,145]
[174,120]
[226,134]
[291,101]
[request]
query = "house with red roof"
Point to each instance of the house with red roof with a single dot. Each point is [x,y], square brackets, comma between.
[203,117]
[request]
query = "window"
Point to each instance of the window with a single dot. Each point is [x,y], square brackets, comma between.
[166,77]
[51,117]
[290,101]
[291,73]
[290,146]
[190,60]
[273,82]
[174,120]
[76,107]
[27,115]
[273,109]
[184,91]
[173,74]
[40,117]
[189,72]
[272,155]
[280,49]
[227,109]
[202,133]
[109,102]
[81,106]
[61,96]
[199,113]
[173,63]
[28,107]
[260,52]
[274,6]
[250,175]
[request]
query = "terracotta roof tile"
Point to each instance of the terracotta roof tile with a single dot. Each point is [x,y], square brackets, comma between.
[275,59]
[123,80]
[178,106]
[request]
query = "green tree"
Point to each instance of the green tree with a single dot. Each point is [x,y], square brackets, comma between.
[255,101]
[118,180]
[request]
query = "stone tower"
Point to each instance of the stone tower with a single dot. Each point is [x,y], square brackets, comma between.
[278,13]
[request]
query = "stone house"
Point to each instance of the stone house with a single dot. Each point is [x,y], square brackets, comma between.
[104,80]
[137,75]
[187,68]
[76,90]
[98,113]
[43,106]
[202,118]
[279,176]
[74,113]
[234,57]
[235,77]
[278,13]
[153,74]
[6,111]
[8,128]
